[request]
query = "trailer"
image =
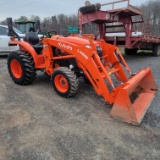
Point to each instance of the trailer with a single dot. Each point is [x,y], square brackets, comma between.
[120,26]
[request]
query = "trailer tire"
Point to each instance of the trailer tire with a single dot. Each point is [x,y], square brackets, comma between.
[156,51]
[21,67]
[64,82]
[130,51]
[90,8]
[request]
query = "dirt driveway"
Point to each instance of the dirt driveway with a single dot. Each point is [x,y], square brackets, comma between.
[37,124]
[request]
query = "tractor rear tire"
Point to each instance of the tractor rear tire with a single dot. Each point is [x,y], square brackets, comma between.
[156,51]
[64,82]
[21,67]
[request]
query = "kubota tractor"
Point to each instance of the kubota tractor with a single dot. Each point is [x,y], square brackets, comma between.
[66,59]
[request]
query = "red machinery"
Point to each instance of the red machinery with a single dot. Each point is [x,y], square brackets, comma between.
[66,59]
[118,25]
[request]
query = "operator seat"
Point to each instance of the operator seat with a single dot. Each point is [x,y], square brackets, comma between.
[33,39]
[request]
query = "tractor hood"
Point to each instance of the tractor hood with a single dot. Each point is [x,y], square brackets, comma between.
[75,40]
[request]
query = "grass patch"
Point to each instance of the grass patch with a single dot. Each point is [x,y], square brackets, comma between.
[121,49]
[139,51]
[144,51]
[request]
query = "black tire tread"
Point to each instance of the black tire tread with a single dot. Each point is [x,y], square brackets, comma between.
[90,8]
[28,68]
[73,81]
[156,51]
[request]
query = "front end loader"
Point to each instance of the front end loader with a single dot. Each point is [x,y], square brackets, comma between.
[66,59]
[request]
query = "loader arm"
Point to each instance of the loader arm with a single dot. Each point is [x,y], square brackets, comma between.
[130,98]
[89,61]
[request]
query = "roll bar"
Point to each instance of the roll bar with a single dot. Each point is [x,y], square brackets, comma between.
[11,31]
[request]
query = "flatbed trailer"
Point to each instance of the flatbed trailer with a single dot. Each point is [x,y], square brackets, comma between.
[117,25]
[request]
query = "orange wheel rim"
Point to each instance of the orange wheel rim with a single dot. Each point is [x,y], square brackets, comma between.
[61,83]
[16,68]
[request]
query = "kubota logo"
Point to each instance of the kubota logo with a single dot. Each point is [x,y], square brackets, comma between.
[83,54]
[64,46]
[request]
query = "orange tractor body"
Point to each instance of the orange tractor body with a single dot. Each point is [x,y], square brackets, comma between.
[66,59]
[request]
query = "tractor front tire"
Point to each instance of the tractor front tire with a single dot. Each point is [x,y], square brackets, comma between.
[64,82]
[21,67]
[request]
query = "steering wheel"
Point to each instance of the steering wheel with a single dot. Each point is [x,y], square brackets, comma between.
[49,34]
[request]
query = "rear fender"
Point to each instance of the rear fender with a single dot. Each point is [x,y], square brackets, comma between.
[27,47]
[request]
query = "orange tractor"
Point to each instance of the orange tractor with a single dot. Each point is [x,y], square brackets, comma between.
[66,59]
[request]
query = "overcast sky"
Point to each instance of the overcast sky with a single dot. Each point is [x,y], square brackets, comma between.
[46,8]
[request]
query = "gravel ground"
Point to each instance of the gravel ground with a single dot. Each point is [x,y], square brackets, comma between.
[37,124]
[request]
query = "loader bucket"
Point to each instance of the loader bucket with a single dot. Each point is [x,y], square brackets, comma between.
[135,97]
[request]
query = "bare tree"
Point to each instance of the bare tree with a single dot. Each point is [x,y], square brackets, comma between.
[151,13]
